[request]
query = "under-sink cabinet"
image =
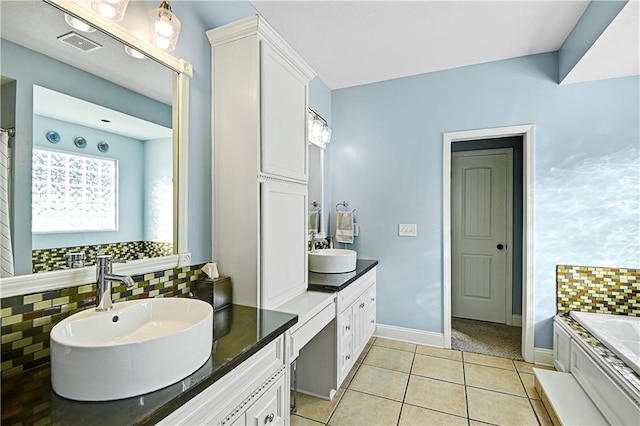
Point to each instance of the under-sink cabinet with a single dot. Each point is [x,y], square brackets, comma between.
[356,309]
[254,393]
[259,150]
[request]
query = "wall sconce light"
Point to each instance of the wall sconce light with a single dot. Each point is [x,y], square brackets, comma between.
[165,27]
[110,9]
[318,129]
[78,24]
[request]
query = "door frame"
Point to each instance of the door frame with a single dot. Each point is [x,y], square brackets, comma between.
[527,133]
[508,311]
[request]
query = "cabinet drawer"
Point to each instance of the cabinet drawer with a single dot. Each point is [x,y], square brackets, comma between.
[307,331]
[232,389]
[346,326]
[350,294]
[347,359]
[268,410]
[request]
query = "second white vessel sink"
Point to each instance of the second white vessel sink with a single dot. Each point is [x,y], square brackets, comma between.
[137,347]
[332,261]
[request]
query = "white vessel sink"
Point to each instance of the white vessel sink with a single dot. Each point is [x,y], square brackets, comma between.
[332,261]
[137,347]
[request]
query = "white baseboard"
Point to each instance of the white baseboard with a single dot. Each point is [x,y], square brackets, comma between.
[421,337]
[516,320]
[543,356]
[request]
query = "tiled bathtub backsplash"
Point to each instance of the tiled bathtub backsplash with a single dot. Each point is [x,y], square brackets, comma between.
[598,289]
[28,319]
[53,259]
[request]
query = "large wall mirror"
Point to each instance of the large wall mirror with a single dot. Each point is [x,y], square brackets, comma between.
[318,210]
[97,163]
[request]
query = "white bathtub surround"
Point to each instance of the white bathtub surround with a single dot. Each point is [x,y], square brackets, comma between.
[619,333]
[611,385]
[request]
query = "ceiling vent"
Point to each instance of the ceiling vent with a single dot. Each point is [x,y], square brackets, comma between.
[79,42]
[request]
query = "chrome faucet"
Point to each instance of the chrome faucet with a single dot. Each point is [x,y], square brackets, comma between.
[104,276]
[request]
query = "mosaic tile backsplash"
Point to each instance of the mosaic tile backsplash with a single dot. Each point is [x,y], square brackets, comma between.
[28,319]
[54,259]
[598,289]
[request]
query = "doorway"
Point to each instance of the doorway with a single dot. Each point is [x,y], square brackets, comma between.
[524,294]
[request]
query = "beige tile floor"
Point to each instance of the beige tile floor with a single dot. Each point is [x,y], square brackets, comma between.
[397,383]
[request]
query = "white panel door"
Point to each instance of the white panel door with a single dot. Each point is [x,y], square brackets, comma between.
[480,212]
[283,105]
[283,230]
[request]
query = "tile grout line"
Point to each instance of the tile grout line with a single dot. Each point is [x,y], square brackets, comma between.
[406,388]
[466,394]
[535,413]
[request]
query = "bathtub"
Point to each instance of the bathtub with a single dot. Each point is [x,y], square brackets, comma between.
[619,333]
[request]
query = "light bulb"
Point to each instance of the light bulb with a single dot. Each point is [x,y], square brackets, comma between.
[325,135]
[78,24]
[134,53]
[163,26]
[163,42]
[106,10]
[316,128]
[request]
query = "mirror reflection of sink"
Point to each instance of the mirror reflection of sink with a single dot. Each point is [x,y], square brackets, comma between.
[332,261]
[137,347]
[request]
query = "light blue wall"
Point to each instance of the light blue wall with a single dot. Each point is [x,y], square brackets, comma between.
[595,19]
[28,68]
[386,160]
[158,190]
[130,155]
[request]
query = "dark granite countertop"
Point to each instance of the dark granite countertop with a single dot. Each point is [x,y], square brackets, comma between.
[337,282]
[239,331]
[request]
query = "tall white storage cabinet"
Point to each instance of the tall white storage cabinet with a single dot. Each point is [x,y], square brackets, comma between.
[260,103]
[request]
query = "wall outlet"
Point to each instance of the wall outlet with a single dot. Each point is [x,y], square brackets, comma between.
[407,229]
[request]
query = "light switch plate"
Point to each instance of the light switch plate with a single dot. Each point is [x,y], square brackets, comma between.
[407,229]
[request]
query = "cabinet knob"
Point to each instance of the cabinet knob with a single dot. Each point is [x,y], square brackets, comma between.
[348,357]
[347,327]
[269,418]
[372,321]
[362,305]
[373,299]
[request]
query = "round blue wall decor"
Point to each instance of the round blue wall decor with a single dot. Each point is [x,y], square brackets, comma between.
[103,146]
[80,142]
[53,137]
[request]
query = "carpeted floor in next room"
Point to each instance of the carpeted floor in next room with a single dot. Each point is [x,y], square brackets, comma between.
[486,338]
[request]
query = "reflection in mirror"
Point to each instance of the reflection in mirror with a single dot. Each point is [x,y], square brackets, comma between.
[316,199]
[103,187]
[35,64]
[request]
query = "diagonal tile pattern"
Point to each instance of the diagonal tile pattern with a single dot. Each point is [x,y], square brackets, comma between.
[404,384]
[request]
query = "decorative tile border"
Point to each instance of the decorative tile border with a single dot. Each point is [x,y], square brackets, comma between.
[56,258]
[598,289]
[26,320]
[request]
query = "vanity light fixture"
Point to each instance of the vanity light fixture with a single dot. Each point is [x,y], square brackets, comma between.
[110,9]
[165,27]
[325,134]
[78,24]
[318,129]
[134,53]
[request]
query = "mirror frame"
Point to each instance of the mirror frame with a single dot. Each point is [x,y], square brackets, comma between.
[322,147]
[45,281]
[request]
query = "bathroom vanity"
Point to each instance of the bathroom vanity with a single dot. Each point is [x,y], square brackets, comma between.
[246,375]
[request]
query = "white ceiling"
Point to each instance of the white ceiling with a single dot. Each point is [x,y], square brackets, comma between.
[47,102]
[350,43]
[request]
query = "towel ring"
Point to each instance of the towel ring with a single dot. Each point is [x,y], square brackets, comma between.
[345,205]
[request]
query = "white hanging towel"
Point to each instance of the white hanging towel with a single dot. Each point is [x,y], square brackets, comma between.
[314,217]
[344,227]
[6,251]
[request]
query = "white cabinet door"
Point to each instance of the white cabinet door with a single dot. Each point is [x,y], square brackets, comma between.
[283,100]
[269,409]
[283,242]
[371,312]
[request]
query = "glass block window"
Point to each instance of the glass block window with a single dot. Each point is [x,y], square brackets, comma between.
[73,193]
